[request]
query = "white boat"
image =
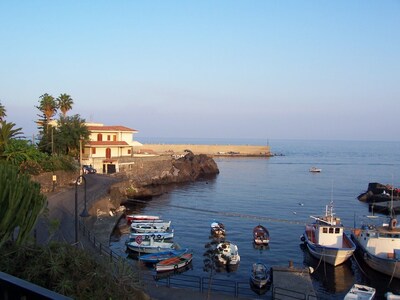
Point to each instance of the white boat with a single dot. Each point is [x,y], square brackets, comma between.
[141,218]
[391,296]
[151,227]
[228,253]
[360,292]
[315,170]
[174,263]
[380,246]
[149,246]
[217,229]
[162,235]
[326,240]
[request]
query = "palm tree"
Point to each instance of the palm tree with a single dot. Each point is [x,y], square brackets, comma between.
[48,106]
[2,112]
[7,133]
[64,102]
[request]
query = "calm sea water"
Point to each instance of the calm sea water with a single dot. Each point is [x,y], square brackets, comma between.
[281,194]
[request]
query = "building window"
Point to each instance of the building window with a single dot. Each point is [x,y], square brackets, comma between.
[99,137]
[129,151]
[114,138]
[93,150]
[108,137]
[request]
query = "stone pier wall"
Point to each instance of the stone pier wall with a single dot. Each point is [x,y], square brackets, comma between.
[214,150]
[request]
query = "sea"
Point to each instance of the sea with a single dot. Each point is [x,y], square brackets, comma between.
[280,193]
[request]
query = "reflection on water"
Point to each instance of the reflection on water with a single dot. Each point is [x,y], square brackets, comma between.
[334,280]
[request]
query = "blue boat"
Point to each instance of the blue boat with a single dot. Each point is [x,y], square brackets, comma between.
[154,258]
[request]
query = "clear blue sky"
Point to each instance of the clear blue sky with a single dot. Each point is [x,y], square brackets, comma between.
[218,69]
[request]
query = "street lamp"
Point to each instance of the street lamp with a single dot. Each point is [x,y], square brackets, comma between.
[84,213]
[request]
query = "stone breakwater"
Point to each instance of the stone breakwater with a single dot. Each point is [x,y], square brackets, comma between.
[152,176]
[211,150]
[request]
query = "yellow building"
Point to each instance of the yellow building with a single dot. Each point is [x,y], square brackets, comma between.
[108,147]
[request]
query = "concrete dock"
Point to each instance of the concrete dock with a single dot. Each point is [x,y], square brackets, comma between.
[292,283]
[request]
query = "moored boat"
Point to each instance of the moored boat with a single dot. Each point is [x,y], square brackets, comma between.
[227,253]
[260,235]
[360,292]
[174,263]
[149,246]
[141,218]
[151,227]
[153,258]
[260,275]
[217,229]
[161,235]
[380,246]
[325,239]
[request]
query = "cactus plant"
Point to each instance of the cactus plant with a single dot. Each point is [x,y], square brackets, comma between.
[20,204]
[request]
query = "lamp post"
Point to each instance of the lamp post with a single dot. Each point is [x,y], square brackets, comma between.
[84,213]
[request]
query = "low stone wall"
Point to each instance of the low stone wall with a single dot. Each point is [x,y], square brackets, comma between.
[214,150]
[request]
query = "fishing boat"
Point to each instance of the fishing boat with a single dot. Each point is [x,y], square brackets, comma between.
[174,263]
[260,275]
[153,258]
[141,218]
[161,235]
[217,229]
[326,240]
[360,292]
[227,253]
[151,227]
[260,235]
[380,246]
[149,246]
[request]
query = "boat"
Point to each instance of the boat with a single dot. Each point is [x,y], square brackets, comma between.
[380,246]
[174,263]
[149,246]
[391,296]
[142,218]
[161,235]
[151,227]
[153,258]
[315,170]
[227,253]
[260,235]
[326,240]
[217,229]
[378,192]
[360,292]
[260,275]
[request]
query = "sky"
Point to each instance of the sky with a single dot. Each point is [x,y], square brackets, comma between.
[208,69]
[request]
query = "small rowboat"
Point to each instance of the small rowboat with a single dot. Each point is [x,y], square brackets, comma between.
[174,263]
[217,229]
[260,275]
[228,253]
[151,227]
[141,218]
[360,292]
[315,170]
[149,246]
[260,235]
[154,258]
[162,235]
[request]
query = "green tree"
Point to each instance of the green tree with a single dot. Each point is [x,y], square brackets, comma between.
[48,106]
[7,133]
[21,202]
[2,112]
[65,103]
[70,131]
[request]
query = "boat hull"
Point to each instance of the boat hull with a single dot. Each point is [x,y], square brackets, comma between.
[331,255]
[174,263]
[154,258]
[388,266]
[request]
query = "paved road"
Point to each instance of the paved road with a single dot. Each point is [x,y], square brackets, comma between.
[61,207]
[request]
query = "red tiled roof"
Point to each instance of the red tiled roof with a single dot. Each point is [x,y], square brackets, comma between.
[110,128]
[107,143]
